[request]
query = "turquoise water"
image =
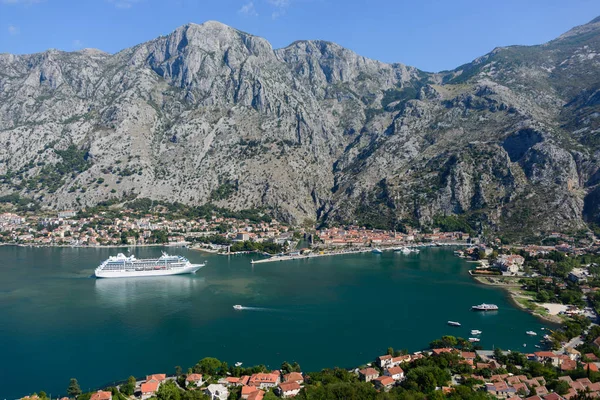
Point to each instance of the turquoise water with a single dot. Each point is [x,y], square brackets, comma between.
[56,322]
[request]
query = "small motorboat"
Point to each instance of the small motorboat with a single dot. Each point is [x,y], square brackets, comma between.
[376,251]
[531,333]
[474,339]
[238,364]
[475,332]
[237,307]
[453,323]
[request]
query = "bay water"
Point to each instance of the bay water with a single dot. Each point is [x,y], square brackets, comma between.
[57,322]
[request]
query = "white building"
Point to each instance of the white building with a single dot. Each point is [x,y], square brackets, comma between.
[217,392]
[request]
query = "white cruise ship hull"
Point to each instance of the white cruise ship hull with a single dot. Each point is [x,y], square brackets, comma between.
[188,269]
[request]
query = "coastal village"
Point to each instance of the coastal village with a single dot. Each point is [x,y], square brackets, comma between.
[458,371]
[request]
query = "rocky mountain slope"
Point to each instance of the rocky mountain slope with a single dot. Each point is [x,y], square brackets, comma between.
[507,143]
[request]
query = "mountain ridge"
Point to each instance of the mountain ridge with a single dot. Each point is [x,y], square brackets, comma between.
[312,131]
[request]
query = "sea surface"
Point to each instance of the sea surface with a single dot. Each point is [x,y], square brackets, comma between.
[57,322]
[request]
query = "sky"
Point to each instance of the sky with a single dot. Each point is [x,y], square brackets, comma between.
[432,35]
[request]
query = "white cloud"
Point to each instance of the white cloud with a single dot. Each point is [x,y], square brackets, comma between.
[13,30]
[26,2]
[248,9]
[279,3]
[280,7]
[77,44]
[124,3]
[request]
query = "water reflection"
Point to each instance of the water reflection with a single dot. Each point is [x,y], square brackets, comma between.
[128,291]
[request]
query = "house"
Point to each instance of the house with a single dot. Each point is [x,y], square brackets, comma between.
[579,275]
[396,361]
[384,382]
[509,262]
[500,389]
[568,365]
[543,356]
[149,388]
[247,391]
[194,379]
[230,381]
[396,373]
[257,395]
[468,355]
[101,395]
[157,377]
[288,389]
[384,361]
[67,214]
[216,392]
[368,374]
[262,380]
[294,377]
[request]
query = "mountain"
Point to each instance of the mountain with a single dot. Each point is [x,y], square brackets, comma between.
[508,143]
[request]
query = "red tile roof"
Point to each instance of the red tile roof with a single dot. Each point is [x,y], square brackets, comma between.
[257,379]
[150,387]
[293,376]
[100,395]
[287,386]
[193,378]
[385,380]
[395,370]
[258,395]
[247,390]
[158,377]
[568,365]
[369,372]
[468,355]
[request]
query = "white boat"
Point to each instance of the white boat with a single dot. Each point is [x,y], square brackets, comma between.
[376,251]
[474,339]
[237,307]
[531,333]
[453,323]
[485,307]
[238,364]
[121,266]
[538,346]
[475,332]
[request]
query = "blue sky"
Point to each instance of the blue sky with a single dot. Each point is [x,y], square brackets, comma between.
[430,34]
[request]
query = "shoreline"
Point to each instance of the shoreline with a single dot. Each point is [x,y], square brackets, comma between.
[110,246]
[514,296]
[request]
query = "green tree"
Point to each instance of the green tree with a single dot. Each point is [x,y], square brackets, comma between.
[73,390]
[168,391]
[270,396]
[208,366]
[128,388]
[390,351]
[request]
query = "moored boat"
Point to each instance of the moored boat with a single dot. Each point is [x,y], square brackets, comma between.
[454,323]
[376,251]
[474,339]
[475,332]
[485,307]
[531,333]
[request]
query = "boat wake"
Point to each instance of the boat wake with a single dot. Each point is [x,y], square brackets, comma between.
[244,308]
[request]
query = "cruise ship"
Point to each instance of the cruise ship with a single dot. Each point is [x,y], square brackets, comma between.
[121,266]
[485,307]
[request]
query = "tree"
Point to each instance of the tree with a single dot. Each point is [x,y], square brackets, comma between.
[296,367]
[177,370]
[128,388]
[73,390]
[390,351]
[270,396]
[168,390]
[208,366]
[286,368]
